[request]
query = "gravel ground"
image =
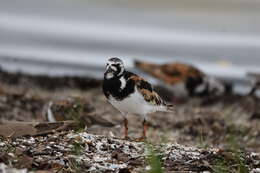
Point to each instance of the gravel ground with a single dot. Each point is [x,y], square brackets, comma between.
[209,131]
[72,152]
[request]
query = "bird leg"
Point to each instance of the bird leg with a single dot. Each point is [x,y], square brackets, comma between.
[145,127]
[126,128]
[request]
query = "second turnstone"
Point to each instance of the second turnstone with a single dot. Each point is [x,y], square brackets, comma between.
[255,80]
[130,93]
[184,79]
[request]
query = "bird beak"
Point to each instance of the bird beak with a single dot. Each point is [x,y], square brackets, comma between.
[109,69]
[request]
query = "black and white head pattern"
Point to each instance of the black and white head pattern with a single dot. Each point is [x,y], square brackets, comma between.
[114,68]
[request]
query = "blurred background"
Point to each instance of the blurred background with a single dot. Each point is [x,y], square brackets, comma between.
[75,37]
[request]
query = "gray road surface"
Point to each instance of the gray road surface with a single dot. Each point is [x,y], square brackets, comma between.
[77,36]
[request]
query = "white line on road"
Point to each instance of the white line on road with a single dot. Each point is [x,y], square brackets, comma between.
[116,33]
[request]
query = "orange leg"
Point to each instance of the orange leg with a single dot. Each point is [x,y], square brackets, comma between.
[126,128]
[145,127]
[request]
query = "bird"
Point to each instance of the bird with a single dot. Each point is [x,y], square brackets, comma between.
[131,94]
[74,108]
[185,80]
[255,82]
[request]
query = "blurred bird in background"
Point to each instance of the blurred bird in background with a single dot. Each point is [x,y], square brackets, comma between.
[184,80]
[254,94]
[255,80]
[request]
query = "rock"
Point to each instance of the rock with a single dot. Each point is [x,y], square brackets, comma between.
[17,129]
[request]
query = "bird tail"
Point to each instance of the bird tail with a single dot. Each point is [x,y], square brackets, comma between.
[169,108]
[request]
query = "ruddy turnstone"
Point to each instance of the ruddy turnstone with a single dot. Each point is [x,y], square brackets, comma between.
[255,80]
[130,93]
[74,108]
[184,79]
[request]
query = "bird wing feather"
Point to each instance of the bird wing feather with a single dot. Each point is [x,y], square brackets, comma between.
[146,89]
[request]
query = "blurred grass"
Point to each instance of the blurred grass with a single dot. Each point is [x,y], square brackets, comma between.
[154,159]
[233,159]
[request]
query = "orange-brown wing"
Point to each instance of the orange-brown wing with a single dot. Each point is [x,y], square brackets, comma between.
[177,72]
[146,89]
[171,73]
[179,69]
[155,70]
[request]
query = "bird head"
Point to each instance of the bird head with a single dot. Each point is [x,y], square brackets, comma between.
[114,68]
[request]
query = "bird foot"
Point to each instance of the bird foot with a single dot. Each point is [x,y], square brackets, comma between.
[141,139]
[126,138]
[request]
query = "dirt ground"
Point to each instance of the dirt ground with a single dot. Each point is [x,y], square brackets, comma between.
[232,119]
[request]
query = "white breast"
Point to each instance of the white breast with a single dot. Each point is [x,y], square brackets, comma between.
[123,83]
[134,104]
